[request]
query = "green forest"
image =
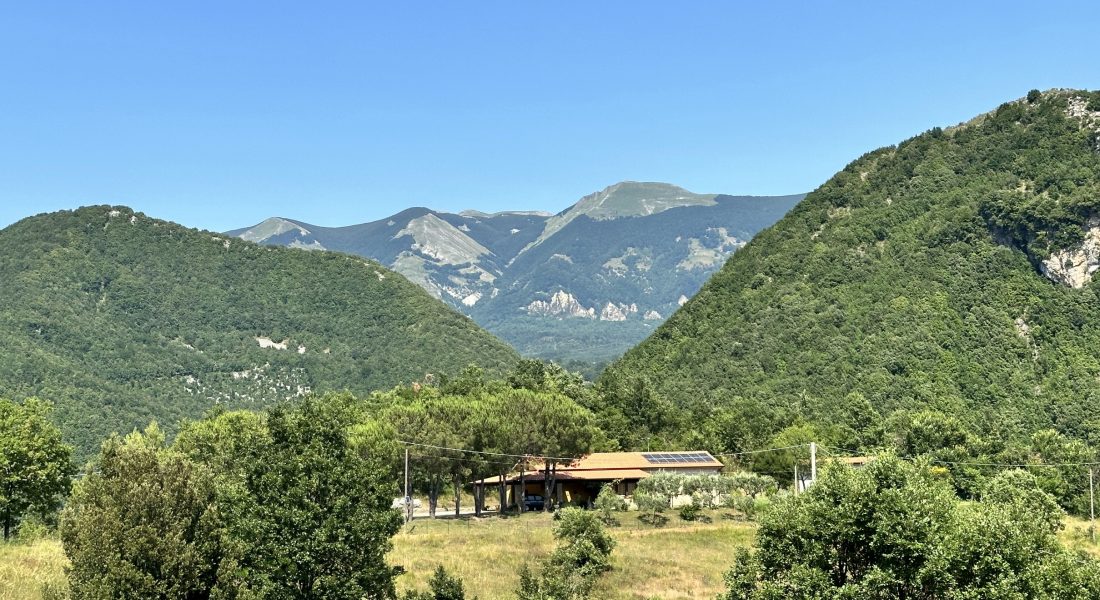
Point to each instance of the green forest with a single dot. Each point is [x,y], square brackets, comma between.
[903,295]
[119,319]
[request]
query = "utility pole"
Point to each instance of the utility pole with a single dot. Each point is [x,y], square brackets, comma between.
[1092,509]
[408,497]
[813,462]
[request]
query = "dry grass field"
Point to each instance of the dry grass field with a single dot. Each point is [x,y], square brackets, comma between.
[678,561]
[26,568]
[681,560]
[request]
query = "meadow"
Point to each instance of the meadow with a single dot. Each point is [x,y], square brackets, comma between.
[680,561]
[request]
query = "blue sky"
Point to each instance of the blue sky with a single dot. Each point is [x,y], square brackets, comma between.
[219,114]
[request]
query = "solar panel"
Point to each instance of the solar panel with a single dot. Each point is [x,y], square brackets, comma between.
[664,458]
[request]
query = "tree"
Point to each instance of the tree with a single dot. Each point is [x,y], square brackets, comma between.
[608,503]
[35,465]
[583,553]
[893,530]
[143,523]
[314,512]
[442,586]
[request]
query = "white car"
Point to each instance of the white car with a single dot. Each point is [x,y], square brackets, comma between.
[399,503]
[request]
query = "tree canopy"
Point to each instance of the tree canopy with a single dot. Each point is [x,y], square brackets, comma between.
[893,530]
[35,465]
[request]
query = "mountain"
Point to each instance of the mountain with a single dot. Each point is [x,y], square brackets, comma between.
[582,285]
[119,318]
[953,272]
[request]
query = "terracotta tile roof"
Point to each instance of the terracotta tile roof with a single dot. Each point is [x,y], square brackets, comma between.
[619,465]
[638,460]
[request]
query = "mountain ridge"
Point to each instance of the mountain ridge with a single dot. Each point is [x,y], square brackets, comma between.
[504,269]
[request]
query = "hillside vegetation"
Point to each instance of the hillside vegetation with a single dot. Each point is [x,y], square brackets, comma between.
[120,319]
[950,274]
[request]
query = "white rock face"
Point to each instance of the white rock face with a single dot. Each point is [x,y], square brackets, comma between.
[652,315]
[1075,266]
[618,312]
[314,245]
[611,312]
[561,304]
[701,256]
[471,299]
[266,342]
[442,241]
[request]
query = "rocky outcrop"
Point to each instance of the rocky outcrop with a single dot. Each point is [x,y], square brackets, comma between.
[1075,266]
[561,304]
[617,312]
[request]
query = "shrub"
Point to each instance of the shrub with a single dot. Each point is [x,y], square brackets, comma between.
[752,484]
[608,503]
[689,512]
[892,530]
[583,553]
[441,586]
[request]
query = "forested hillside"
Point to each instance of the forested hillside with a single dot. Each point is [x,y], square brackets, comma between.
[950,273]
[119,319]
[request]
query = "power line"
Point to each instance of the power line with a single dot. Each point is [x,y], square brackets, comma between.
[851,452]
[487,453]
[763,450]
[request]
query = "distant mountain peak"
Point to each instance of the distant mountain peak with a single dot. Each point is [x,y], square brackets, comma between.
[271,227]
[625,199]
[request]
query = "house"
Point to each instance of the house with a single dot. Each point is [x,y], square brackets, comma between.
[856,462]
[579,483]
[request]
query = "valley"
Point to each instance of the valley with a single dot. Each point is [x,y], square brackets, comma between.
[579,287]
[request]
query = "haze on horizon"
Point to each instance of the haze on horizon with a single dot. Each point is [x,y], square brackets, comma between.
[219,116]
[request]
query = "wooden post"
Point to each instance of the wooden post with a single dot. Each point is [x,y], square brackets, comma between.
[521,502]
[813,462]
[408,493]
[1092,509]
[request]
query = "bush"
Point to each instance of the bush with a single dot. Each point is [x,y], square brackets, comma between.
[753,485]
[583,553]
[441,586]
[892,530]
[690,512]
[608,503]
[744,505]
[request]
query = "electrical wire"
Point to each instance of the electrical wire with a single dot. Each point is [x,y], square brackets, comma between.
[487,453]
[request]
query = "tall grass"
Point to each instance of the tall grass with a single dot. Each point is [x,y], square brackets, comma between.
[28,567]
[679,561]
